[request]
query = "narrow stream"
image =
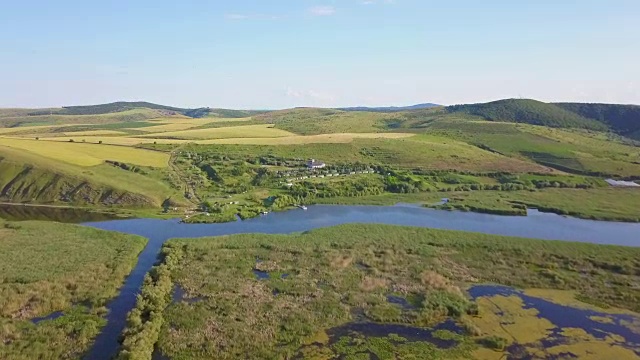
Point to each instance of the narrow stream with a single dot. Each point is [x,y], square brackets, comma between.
[536,225]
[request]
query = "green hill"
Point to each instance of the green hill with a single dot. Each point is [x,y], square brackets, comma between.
[530,112]
[116,112]
[623,119]
[30,178]
[116,107]
[228,113]
[168,110]
[56,118]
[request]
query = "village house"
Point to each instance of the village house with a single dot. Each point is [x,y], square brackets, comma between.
[313,164]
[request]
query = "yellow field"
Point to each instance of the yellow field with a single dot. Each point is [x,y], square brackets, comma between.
[177,126]
[217,120]
[70,135]
[309,139]
[173,125]
[286,140]
[25,129]
[197,121]
[245,131]
[88,154]
[117,140]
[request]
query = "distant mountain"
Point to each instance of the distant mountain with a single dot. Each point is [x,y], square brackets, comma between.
[116,107]
[390,108]
[530,112]
[121,106]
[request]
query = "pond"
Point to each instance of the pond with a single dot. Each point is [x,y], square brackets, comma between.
[535,225]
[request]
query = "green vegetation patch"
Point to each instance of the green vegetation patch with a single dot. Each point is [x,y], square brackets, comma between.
[282,296]
[64,275]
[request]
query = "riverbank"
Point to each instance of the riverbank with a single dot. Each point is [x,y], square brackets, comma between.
[592,204]
[605,204]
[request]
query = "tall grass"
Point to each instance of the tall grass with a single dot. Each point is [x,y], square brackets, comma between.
[50,267]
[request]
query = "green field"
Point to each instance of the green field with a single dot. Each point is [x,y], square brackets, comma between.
[312,283]
[46,268]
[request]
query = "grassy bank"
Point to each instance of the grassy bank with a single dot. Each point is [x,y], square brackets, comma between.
[287,296]
[597,204]
[67,271]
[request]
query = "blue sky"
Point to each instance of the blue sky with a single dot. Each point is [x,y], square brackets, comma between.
[285,53]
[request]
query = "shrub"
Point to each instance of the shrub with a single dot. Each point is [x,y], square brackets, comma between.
[494,342]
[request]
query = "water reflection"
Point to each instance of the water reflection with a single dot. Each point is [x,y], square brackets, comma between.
[51,316]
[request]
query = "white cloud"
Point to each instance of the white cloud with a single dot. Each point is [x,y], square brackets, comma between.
[252,17]
[237,16]
[293,93]
[371,2]
[322,10]
[311,97]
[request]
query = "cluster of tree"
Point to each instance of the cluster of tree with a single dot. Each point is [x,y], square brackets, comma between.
[284,201]
[212,173]
[404,184]
[125,166]
[145,320]
[542,183]
[357,187]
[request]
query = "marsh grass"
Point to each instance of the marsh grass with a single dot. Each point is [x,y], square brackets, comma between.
[51,267]
[343,274]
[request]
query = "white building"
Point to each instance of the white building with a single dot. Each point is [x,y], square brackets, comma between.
[313,164]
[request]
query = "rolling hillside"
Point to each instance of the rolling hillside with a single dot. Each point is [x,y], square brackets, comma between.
[530,112]
[30,178]
[117,112]
[623,119]
[390,108]
[55,118]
